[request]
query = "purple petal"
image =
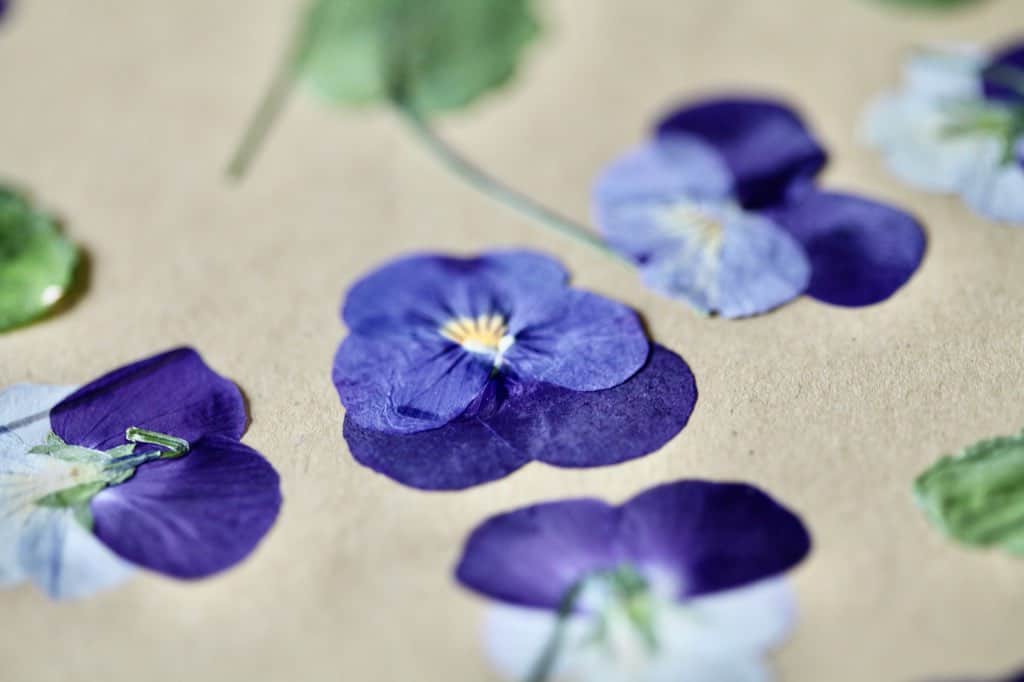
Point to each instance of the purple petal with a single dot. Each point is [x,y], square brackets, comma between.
[460,455]
[766,146]
[534,556]
[397,387]
[174,393]
[1020,152]
[707,537]
[584,343]
[585,429]
[861,251]
[1002,67]
[648,177]
[194,516]
[712,536]
[423,292]
[552,424]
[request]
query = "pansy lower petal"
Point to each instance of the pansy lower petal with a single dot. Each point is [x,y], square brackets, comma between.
[174,393]
[596,428]
[709,537]
[945,72]
[764,143]
[25,410]
[194,516]
[996,190]
[649,176]
[459,455]
[734,264]
[515,638]
[1003,76]
[423,292]
[534,556]
[753,619]
[64,559]
[861,251]
[909,130]
[405,388]
[586,343]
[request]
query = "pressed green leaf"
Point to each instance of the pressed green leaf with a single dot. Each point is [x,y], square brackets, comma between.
[977,497]
[438,55]
[36,262]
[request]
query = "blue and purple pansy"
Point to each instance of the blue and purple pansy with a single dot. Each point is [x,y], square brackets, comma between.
[682,582]
[956,126]
[458,371]
[141,468]
[720,208]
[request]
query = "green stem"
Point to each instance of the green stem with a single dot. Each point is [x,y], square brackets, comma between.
[266,114]
[545,665]
[175,447]
[476,177]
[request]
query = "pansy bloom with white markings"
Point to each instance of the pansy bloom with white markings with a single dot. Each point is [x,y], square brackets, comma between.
[683,582]
[720,209]
[141,468]
[459,371]
[956,126]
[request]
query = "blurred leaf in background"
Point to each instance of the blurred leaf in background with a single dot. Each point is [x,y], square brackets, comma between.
[929,4]
[37,263]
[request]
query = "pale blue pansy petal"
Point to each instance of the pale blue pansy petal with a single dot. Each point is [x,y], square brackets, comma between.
[718,638]
[654,174]
[948,71]
[726,261]
[64,559]
[910,131]
[996,186]
[25,410]
[46,545]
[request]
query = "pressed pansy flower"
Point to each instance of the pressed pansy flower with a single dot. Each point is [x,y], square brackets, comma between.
[956,126]
[683,582]
[460,371]
[141,468]
[720,209]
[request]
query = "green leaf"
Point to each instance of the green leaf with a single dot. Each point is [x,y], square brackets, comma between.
[36,262]
[438,55]
[977,497]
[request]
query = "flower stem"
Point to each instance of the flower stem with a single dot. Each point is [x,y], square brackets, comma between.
[476,177]
[545,665]
[266,114]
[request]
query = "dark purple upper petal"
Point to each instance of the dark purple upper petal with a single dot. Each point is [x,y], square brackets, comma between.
[705,536]
[4,6]
[712,536]
[765,144]
[538,421]
[1020,152]
[1007,62]
[174,393]
[193,516]
[534,556]
[861,251]
[584,429]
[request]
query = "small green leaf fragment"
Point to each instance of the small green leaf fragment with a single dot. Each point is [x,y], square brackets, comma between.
[37,262]
[444,53]
[74,497]
[977,497]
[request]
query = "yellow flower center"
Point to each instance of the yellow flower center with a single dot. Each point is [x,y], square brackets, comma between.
[480,334]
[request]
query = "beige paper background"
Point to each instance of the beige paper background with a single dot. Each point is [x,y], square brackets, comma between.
[120,114]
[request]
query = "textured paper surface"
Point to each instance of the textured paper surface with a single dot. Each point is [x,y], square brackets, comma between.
[120,115]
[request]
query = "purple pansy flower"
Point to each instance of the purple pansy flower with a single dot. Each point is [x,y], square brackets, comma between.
[720,209]
[460,371]
[681,582]
[956,126]
[140,468]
